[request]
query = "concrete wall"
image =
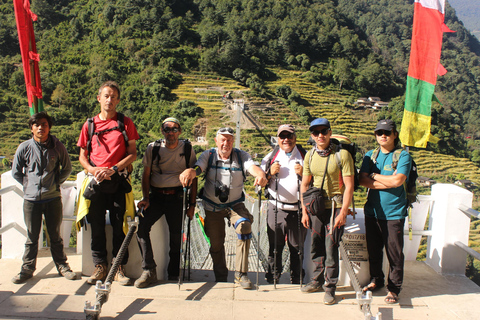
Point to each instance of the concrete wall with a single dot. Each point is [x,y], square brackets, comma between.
[449,224]
[159,236]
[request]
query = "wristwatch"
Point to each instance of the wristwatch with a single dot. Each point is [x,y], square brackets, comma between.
[372,175]
[115,168]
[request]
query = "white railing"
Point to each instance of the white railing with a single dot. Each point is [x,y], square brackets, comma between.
[448,210]
[13,231]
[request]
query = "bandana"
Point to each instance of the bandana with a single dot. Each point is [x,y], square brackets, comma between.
[326,152]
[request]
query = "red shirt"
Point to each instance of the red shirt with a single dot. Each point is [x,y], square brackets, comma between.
[107,148]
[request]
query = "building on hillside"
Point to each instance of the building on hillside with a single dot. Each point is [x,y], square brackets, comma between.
[465,183]
[363,102]
[371,102]
[378,105]
[425,181]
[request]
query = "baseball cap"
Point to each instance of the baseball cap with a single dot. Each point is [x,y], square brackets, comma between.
[319,122]
[171,119]
[386,124]
[225,130]
[285,127]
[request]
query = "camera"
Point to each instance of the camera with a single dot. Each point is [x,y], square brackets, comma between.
[221,191]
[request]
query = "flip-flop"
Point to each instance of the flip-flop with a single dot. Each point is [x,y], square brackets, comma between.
[372,286]
[391,298]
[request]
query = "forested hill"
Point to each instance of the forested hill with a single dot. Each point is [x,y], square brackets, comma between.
[148,46]
[468,11]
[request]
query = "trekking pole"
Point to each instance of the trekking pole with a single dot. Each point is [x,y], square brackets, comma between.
[188,253]
[332,217]
[102,291]
[258,190]
[184,213]
[275,242]
[300,240]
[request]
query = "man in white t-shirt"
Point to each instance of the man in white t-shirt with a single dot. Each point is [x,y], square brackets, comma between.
[225,168]
[284,167]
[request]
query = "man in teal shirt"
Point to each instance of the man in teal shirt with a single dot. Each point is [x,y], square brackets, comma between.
[386,207]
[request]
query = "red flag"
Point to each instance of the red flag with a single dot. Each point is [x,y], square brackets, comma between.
[24,17]
[424,66]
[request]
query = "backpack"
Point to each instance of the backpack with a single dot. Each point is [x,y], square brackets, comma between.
[342,142]
[410,185]
[187,151]
[275,152]
[213,151]
[273,156]
[91,130]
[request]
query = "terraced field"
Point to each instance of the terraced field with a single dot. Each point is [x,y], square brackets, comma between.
[12,132]
[438,166]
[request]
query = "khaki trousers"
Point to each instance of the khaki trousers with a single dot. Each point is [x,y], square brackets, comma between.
[215,230]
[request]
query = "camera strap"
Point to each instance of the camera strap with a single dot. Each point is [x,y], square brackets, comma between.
[223,205]
[224,168]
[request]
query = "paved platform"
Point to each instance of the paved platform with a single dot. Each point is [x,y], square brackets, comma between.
[426,295]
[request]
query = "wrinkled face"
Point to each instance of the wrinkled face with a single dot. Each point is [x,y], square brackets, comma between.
[386,138]
[224,144]
[40,130]
[321,135]
[171,131]
[287,141]
[108,99]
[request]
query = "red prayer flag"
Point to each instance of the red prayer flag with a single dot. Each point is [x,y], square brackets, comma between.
[28,49]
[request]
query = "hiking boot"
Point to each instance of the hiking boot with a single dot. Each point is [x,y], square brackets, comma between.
[100,273]
[329,298]
[312,286]
[241,278]
[65,271]
[147,278]
[121,277]
[23,276]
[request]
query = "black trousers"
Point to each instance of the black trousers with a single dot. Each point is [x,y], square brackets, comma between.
[287,226]
[324,250]
[172,207]
[53,213]
[115,204]
[388,234]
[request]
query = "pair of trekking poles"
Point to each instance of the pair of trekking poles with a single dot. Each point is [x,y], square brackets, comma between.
[258,190]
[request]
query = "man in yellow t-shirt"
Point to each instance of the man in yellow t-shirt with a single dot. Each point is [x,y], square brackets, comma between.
[336,178]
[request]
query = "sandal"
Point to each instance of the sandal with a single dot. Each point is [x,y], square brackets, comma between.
[391,298]
[372,286]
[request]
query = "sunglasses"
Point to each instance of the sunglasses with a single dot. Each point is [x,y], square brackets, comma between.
[168,130]
[286,136]
[383,132]
[323,132]
[229,130]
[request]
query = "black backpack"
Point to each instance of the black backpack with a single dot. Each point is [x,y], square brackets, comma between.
[91,131]
[187,151]
[410,184]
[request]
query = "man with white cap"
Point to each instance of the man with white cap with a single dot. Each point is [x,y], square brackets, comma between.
[163,162]
[385,171]
[336,183]
[284,167]
[225,169]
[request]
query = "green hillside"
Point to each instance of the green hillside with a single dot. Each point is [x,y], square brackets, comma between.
[287,61]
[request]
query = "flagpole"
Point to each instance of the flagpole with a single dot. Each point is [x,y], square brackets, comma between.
[32,78]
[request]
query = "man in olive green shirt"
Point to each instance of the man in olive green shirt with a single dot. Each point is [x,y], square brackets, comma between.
[321,165]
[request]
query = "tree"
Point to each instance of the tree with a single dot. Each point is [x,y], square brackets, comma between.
[343,72]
